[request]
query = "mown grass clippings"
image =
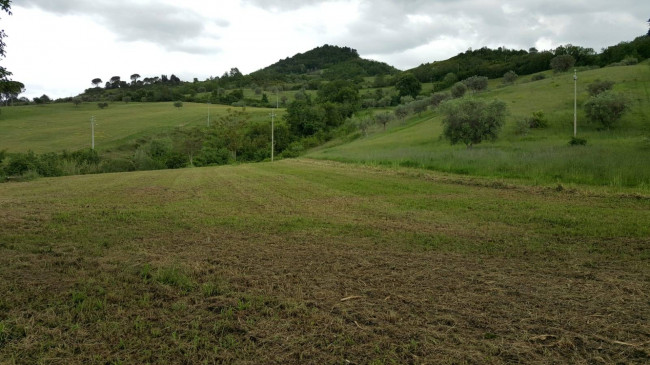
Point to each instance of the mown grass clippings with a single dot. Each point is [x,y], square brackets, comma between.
[250,264]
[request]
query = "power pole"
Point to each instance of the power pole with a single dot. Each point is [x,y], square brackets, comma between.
[272,135]
[575,102]
[92,132]
[273,126]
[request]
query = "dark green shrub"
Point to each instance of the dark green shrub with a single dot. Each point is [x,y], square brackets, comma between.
[598,87]
[510,77]
[458,90]
[575,141]
[537,120]
[606,108]
[471,121]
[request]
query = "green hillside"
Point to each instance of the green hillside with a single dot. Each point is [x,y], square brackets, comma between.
[618,157]
[331,61]
[301,261]
[56,127]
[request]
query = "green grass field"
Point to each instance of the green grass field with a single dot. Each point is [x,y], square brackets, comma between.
[618,157]
[57,127]
[305,261]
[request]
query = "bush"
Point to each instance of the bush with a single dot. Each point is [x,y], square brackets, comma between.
[575,141]
[538,77]
[522,126]
[102,105]
[458,90]
[599,87]
[471,121]
[476,83]
[630,61]
[438,98]
[537,120]
[510,77]
[606,108]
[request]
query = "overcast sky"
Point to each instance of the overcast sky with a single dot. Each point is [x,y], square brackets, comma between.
[56,47]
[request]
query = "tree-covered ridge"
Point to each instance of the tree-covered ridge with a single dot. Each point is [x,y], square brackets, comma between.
[494,63]
[336,62]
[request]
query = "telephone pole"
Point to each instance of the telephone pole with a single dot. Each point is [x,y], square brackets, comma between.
[272,135]
[575,102]
[209,114]
[92,132]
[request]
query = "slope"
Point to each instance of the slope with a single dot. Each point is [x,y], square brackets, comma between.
[57,127]
[618,157]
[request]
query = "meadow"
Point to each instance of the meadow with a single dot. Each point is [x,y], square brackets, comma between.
[307,261]
[58,127]
[616,158]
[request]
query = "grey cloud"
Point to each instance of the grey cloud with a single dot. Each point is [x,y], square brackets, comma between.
[168,26]
[283,5]
[384,28]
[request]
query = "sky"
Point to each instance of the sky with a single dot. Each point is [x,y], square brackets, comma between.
[56,47]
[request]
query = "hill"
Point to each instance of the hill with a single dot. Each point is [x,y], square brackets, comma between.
[57,127]
[615,157]
[332,62]
[494,63]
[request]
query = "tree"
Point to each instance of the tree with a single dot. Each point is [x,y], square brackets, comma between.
[458,90]
[9,90]
[134,78]
[408,84]
[230,128]
[606,108]
[562,63]
[96,82]
[364,124]
[115,82]
[7,86]
[383,118]
[76,101]
[189,142]
[419,106]
[401,112]
[43,99]
[449,79]
[471,121]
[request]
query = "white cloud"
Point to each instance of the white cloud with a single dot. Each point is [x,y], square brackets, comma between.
[57,47]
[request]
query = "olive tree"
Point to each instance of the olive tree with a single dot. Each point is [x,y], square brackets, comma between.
[458,90]
[472,121]
[606,108]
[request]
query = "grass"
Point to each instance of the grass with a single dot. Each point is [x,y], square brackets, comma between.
[617,158]
[305,261]
[57,127]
